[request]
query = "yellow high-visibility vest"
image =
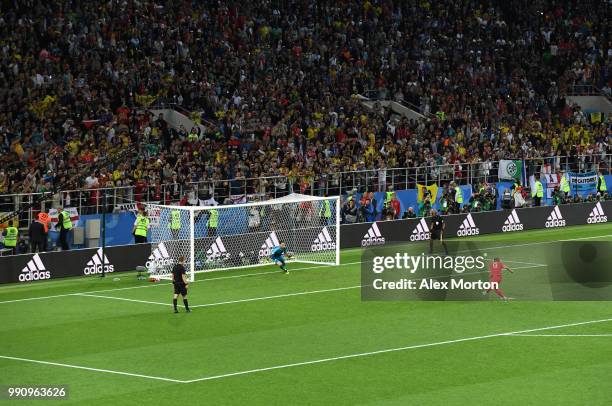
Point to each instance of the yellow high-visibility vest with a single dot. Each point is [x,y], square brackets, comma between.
[458,195]
[10,240]
[565,187]
[67,223]
[539,189]
[175,221]
[142,226]
[213,221]
[325,209]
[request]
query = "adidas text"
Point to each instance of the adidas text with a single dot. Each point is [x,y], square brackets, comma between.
[468,231]
[94,269]
[597,219]
[34,276]
[323,246]
[366,242]
[512,227]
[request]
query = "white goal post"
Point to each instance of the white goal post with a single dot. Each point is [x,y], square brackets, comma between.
[213,238]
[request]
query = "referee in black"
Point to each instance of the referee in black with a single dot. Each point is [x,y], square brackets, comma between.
[437,230]
[179,280]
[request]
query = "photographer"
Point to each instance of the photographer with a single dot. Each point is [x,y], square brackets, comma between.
[558,197]
[387,212]
[409,214]
[444,206]
[475,203]
[425,206]
[349,212]
[507,200]
[488,201]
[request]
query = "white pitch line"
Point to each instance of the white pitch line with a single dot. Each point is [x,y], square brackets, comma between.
[108,371]
[253,299]
[523,262]
[561,335]
[410,347]
[124,299]
[307,292]
[273,272]
[317,361]
[165,284]
[39,298]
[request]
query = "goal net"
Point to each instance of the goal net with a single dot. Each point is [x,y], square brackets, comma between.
[243,235]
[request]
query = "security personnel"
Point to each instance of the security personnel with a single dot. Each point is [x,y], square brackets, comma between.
[537,193]
[564,185]
[388,196]
[141,227]
[458,196]
[64,223]
[601,184]
[10,239]
[325,212]
[175,223]
[213,222]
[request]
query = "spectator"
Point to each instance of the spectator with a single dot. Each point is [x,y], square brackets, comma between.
[492,87]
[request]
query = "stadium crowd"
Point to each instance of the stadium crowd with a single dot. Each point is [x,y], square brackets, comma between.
[274,85]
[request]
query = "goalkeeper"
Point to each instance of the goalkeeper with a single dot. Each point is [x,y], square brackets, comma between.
[278,256]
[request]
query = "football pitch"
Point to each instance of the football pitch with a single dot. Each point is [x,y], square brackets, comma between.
[257,336]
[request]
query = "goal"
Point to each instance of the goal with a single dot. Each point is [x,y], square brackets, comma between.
[213,238]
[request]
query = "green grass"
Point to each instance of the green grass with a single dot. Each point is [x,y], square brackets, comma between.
[314,313]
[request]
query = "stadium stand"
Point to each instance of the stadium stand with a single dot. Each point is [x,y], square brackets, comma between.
[273,88]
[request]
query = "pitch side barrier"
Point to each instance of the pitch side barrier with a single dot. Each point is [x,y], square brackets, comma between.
[471,224]
[81,262]
[88,262]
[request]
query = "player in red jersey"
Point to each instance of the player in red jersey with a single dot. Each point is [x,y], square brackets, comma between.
[495,275]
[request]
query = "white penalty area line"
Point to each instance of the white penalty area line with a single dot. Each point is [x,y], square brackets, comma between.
[282,295]
[303,363]
[410,347]
[152,285]
[275,272]
[123,298]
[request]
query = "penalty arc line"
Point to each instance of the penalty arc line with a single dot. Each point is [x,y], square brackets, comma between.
[406,348]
